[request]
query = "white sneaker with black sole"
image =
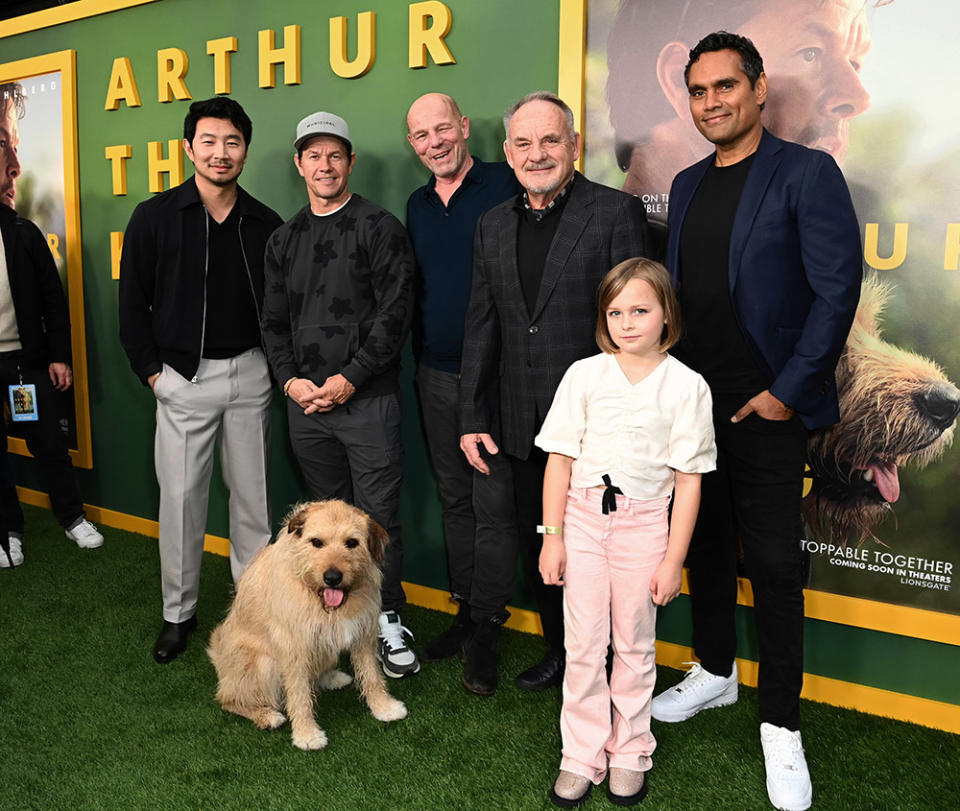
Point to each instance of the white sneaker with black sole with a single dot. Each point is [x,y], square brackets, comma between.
[396,658]
[16,553]
[698,690]
[788,778]
[85,535]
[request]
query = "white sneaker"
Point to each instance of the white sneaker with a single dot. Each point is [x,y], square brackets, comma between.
[16,553]
[85,535]
[699,690]
[395,657]
[788,779]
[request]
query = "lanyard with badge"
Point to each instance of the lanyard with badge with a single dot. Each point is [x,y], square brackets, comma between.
[23,400]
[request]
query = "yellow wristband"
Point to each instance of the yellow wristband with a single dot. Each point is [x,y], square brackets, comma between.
[548,530]
[288,384]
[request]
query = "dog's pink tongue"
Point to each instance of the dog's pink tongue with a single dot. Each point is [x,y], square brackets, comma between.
[886,479]
[332,597]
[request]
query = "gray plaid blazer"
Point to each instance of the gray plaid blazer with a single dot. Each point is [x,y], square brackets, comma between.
[513,359]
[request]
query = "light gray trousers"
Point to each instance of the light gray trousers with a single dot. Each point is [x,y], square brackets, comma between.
[229,403]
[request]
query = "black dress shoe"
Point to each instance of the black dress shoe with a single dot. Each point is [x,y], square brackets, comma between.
[548,672]
[480,659]
[173,639]
[450,642]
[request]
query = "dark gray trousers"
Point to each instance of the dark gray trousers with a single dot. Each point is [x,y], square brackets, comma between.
[479,515]
[355,453]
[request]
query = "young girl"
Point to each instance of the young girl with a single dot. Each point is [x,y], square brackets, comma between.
[626,429]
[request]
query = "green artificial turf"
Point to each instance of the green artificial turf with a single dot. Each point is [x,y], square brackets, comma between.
[88,720]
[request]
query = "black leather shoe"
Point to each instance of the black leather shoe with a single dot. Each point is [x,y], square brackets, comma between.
[450,642]
[480,659]
[173,639]
[548,672]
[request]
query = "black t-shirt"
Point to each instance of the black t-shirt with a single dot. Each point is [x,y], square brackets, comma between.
[713,343]
[232,324]
[534,238]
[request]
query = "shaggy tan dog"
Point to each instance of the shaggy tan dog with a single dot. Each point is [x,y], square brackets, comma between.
[895,407]
[303,600]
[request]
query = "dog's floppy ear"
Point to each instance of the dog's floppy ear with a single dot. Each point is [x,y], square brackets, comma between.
[376,540]
[296,519]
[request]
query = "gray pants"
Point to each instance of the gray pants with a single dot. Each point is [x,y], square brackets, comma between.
[355,453]
[229,402]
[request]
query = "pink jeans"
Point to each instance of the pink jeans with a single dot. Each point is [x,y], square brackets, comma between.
[610,561]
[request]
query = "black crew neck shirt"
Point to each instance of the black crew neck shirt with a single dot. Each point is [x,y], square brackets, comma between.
[534,237]
[232,324]
[713,342]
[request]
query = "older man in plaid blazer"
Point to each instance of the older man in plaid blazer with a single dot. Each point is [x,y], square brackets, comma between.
[538,259]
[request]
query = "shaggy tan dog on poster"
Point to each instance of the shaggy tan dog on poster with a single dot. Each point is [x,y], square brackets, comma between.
[896,408]
[303,600]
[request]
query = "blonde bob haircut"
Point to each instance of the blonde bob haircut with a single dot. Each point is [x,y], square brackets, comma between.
[654,274]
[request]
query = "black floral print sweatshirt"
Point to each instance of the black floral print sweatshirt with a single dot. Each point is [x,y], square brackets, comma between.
[338,297]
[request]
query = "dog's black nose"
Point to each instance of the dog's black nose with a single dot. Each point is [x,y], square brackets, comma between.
[940,403]
[333,577]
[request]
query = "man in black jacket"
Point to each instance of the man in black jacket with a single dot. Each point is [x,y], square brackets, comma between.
[191,287]
[34,351]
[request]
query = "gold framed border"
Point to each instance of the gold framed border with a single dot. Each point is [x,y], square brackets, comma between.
[571,70]
[65,62]
[919,623]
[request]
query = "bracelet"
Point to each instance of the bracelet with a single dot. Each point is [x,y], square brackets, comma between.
[288,384]
[548,530]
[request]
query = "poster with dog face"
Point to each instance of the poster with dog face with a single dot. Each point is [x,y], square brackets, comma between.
[858,79]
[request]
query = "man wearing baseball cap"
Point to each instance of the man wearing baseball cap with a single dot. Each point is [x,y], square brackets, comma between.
[338,299]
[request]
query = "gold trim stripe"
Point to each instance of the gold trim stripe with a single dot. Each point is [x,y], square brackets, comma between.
[917,623]
[64,14]
[570,73]
[902,707]
[874,700]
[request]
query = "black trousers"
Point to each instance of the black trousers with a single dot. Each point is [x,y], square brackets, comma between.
[355,453]
[753,497]
[528,484]
[47,442]
[479,524]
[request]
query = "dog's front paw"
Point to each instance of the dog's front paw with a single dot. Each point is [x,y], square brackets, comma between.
[270,719]
[389,710]
[334,680]
[311,739]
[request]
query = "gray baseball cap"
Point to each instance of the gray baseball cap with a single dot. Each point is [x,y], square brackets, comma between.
[322,124]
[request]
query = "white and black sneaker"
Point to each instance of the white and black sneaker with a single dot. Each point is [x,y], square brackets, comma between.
[396,658]
[15,556]
[85,535]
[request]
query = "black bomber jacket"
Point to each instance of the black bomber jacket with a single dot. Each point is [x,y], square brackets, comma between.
[163,276]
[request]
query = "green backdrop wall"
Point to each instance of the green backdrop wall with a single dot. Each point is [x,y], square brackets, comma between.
[502,50]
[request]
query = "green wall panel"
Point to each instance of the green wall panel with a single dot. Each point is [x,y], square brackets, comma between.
[503,50]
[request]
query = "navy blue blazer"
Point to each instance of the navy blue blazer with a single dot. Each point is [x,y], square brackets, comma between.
[795,268]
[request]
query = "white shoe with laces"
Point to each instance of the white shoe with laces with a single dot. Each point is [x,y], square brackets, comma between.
[16,553]
[85,535]
[396,658]
[788,778]
[698,690]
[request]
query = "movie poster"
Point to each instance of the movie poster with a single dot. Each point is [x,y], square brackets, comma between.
[862,81]
[47,194]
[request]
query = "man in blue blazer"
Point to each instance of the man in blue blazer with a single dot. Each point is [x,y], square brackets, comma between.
[765,248]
